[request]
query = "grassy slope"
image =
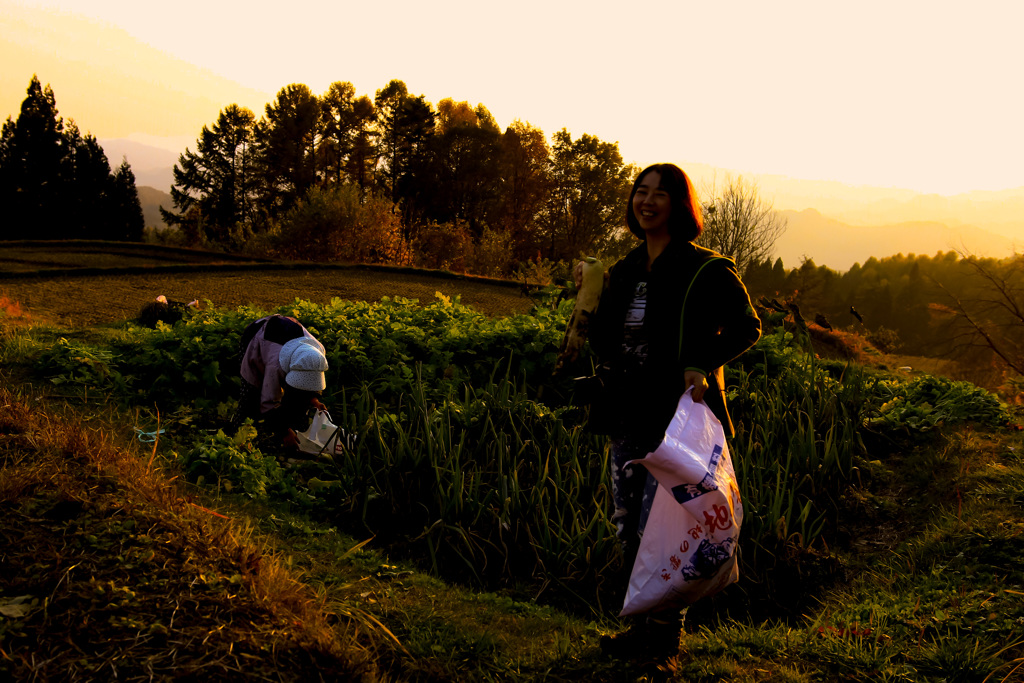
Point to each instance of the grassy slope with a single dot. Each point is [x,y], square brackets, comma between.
[112,566]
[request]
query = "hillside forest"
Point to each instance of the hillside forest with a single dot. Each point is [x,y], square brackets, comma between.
[341,177]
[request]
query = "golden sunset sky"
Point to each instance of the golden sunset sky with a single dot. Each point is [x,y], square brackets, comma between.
[919,95]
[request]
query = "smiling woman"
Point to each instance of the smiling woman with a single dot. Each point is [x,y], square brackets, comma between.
[652,205]
[672,316]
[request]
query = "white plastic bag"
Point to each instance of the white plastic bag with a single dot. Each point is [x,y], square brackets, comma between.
[323,436]
[688,548]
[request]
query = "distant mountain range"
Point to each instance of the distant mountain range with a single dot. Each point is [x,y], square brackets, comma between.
[999,212]
[151,200]
[838,245]
[152,166]
[833,224]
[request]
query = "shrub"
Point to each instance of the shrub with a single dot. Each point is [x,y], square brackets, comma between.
[885,340]
[442,246]
[539,271]
[334,224]
[491,256]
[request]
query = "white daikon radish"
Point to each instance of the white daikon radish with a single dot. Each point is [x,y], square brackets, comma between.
[587,299]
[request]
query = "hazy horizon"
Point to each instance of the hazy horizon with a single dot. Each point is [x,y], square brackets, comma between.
[865,139]
[782,90]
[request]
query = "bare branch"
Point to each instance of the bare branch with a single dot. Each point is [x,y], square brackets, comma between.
[741,225]
[989,313]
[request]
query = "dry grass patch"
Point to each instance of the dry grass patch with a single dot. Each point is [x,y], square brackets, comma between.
[110,571]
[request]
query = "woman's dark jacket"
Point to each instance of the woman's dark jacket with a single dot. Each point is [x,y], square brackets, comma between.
[717,326]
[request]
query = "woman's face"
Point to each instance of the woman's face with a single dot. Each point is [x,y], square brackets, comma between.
[652,204]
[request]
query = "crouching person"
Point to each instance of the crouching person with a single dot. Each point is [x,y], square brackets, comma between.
[282,372]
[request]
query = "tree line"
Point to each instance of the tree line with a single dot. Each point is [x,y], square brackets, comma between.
[341,176]
[951,305]
[56,183]
[395,178]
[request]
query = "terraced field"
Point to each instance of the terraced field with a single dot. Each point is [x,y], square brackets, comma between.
[84,284]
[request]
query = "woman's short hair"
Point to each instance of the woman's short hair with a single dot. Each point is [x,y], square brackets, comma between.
[685,221]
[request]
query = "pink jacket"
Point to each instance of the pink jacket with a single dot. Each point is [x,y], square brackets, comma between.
[261,364]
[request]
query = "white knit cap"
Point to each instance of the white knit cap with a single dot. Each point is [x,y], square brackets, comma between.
[303,362]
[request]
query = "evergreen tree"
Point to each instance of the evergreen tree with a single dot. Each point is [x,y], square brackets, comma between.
[388,102]
[415,130]
[405,124]
[58,181]
[345,147]
[758,278]
[215,187]
[460,176]
[88,186]
[127,222]
[287,139]
[778,274]
[32,152]
[362,158]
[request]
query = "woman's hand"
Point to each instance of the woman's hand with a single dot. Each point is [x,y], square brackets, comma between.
[577,274]
[315,402]
[697,380]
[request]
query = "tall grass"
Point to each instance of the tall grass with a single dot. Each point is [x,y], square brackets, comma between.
[488,484]
[493,486]
[796,444]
